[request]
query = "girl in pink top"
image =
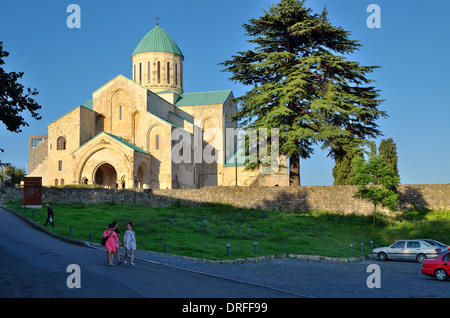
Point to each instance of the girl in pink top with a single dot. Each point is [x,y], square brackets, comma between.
[110,243]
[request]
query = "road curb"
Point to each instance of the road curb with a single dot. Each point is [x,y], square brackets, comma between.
[232,261]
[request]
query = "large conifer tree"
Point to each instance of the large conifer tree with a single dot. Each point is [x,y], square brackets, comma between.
[302,83]
[388,150]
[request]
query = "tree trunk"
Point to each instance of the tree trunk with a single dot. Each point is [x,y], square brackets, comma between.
[294,170]
[374,214]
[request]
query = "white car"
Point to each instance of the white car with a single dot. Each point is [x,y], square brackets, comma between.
[407,250]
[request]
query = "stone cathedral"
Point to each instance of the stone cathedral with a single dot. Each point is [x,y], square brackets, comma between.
[122,136]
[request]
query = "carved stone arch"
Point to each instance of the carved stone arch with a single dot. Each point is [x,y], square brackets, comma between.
[105,174]
[101,146]
[150,141]
[136,125]
[143,175]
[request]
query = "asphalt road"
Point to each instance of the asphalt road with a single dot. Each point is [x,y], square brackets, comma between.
[33,264]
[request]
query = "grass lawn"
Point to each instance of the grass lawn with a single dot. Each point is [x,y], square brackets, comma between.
[204,232]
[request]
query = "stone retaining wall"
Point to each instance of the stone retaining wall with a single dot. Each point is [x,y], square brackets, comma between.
[316,198]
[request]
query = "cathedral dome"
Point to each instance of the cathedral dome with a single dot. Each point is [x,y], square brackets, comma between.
[157,40]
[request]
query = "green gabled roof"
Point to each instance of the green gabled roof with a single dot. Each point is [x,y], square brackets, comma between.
[123,141]
[89,104]
[119,139]
[157,40]
[203,98]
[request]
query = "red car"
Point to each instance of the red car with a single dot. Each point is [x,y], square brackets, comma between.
[438,267]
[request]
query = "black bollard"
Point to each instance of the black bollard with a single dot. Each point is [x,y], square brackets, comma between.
[255,247]
[228,248]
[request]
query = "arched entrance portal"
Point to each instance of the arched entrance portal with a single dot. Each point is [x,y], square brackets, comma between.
[106,176]
[143,179]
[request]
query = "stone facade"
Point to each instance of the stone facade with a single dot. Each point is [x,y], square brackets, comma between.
[338,199]
[124,137]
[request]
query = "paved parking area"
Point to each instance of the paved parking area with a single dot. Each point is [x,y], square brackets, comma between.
[321,279]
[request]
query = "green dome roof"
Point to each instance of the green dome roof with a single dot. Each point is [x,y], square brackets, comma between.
[157,40]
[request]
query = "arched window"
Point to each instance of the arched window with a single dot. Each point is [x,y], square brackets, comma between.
[56,182]
[176,74]
[62,182]
[168,72]
[140,73]
[159,72]
[61,143]
[134,72]
[148,72]
[157,142]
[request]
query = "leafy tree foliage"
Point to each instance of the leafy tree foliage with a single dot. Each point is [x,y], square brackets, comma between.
[377,183]
[14,100]
[302,83]
[10,176]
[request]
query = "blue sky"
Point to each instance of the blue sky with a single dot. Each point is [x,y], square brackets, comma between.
[67,65]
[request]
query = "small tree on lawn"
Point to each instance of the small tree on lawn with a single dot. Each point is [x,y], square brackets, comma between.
[377,183]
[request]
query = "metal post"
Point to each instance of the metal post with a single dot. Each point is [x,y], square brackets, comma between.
[90,237]
[362,247]
[255,247]
[351,248]
[165,248]
[70,230]
[32,213]
[282,247]
[228,248]
[371,245]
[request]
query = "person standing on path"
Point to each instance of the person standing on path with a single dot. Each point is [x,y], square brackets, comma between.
[129,242]
[50,216]
[115,224]
[110,243]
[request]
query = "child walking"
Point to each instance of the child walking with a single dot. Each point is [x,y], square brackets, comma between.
[129,242]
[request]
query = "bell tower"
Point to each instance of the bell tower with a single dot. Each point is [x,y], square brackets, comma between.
[158,62]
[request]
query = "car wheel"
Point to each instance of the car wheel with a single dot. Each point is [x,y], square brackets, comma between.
[421,257]
[441,274]
[382,256]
